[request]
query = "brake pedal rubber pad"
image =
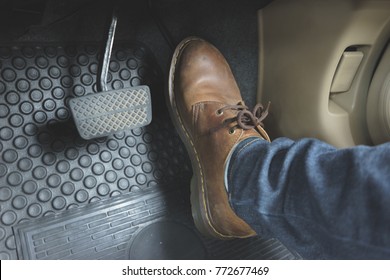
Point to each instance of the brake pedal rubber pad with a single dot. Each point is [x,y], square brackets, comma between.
[105,113]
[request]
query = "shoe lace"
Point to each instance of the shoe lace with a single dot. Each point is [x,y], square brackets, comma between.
[247,119]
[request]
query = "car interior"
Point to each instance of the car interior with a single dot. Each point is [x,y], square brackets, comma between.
[91,166]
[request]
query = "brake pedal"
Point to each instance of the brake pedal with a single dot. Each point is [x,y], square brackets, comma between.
[102,114]
[109,112]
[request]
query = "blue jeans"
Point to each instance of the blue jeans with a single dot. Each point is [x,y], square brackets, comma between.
[322,202]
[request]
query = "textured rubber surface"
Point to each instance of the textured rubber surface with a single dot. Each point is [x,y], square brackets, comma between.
[100,230]
[46,168]
[141,226]
[106,113]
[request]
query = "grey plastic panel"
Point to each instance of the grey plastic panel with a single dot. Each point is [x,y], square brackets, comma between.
[301,48]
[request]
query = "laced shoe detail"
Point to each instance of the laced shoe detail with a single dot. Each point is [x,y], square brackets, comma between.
[245,118]
[207,110]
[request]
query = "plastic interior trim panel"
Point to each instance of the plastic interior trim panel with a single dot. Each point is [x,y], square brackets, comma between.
[299,60]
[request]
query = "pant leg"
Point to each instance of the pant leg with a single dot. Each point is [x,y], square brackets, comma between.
[323,202]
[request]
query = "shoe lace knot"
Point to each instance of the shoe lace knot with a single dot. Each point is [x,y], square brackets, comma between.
[247,119]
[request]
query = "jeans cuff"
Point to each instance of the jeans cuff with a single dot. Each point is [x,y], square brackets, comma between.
[233,159]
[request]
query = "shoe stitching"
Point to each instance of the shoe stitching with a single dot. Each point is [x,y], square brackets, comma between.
[195,115]
[190,140]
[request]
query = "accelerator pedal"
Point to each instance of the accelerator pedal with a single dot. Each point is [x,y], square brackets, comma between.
[105,113]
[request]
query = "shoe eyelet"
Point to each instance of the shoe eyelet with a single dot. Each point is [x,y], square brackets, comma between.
[232,131]
[219,113]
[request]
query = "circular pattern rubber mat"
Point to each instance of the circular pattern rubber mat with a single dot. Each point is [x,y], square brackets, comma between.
[45,167]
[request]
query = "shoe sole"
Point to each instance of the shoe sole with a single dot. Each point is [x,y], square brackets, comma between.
[199,204]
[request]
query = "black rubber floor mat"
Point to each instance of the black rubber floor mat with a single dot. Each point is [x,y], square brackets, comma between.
[149,225]
[46,168]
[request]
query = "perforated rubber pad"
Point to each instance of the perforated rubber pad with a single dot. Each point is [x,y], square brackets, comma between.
[46,168]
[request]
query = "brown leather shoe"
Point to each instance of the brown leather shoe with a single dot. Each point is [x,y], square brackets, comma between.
[207,109]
